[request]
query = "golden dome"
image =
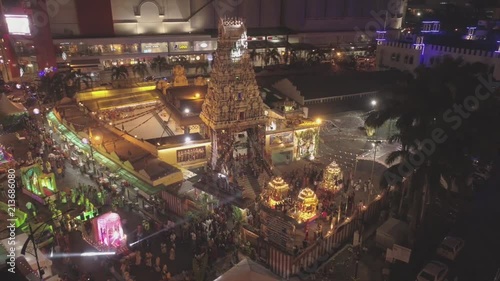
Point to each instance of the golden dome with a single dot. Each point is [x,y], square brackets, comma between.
[333,168]
[278,184]
[308,196]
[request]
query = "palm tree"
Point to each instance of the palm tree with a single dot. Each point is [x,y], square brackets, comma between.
[75,78]
[291,57]
[419,105]
[120,72]
[316,56]
[159,63]
[254,55]
[140,69]
[52,85]
[272,56]
[203,66]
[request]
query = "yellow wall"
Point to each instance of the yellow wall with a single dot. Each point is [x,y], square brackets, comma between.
[169,155]
[84,96]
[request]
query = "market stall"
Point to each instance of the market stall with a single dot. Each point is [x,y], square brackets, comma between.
[106,233]
[45,263]
[37,184]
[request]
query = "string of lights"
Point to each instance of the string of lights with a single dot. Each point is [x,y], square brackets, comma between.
[139,115]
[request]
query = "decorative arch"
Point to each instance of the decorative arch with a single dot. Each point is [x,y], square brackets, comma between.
[137,9]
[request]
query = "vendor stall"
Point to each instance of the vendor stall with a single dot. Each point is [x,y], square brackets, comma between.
[6,160]
[45,263]
[37,184]
[106,233]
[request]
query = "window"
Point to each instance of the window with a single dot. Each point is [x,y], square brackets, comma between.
[240,96]
[431,60]
[411,60]
[426,276]
[192,154]
[406,60]
[393,56]
[398,56]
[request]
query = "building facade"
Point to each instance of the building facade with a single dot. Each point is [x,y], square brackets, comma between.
[407,57]
[233,109]
[95,34]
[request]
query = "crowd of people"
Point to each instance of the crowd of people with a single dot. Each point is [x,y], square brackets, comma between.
[211,235]
[124,112]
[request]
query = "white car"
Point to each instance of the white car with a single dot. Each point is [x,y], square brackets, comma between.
[433,271]
[450,247]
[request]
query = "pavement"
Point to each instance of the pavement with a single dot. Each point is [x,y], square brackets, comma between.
[478,226]
[130,220]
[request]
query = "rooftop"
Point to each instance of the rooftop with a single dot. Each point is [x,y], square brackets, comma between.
[490,44]
[314,86]
[174,140]
[139,158]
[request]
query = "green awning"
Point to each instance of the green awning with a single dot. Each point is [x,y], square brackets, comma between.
[111,165]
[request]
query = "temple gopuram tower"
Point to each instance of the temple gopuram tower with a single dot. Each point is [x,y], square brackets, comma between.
[233,108]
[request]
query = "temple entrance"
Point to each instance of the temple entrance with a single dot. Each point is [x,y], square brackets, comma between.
[240,145]
[282,157]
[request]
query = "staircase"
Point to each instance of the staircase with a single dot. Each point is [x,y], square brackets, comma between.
[164,124]
[248,190]
[254,182]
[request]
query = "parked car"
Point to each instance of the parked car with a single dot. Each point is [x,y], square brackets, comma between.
[450,247]
[433,271]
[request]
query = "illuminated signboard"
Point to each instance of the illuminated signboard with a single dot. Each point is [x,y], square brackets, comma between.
[205,45]
[154,47]
[18,24]
[179,46]
[191,154]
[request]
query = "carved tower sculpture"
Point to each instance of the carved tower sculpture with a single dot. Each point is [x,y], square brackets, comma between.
[233,108]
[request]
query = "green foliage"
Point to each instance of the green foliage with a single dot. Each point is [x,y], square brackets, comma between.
[424,104]
[200,267]
[140,69]
[119,72]
[237,215]
[159,63]
[272,56]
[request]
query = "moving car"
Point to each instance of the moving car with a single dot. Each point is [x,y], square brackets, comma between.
[450,247]
[433,271]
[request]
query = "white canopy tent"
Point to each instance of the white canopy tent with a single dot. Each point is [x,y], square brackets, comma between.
[247,270]
[45,262]
[7,107]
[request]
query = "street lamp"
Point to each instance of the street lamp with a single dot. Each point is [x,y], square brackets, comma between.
[87,141]
[375,145]
[361,218]
[31,237]
[374,103]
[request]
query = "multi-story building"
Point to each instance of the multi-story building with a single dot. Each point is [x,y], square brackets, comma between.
[479,44]
[94,34]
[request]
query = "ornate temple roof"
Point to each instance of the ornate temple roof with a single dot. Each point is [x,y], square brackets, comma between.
[307,195]
[278,184]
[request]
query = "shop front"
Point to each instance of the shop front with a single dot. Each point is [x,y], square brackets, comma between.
[191,155]
[281,147]
[306,143]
